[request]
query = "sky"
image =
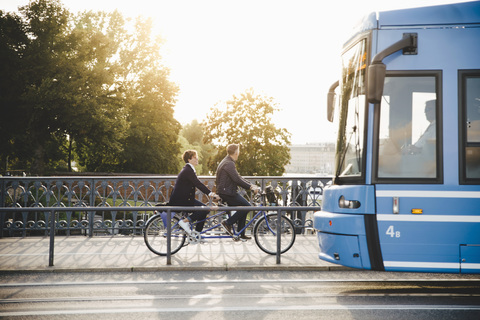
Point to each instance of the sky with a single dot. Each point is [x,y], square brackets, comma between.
[287,50]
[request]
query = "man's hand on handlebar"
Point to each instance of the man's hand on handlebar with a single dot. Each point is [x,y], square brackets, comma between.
[255,188]
[215,197]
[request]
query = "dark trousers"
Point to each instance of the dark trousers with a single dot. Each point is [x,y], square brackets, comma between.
[240,216]
[198,216]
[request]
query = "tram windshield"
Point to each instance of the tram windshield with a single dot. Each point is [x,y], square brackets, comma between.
[350,141]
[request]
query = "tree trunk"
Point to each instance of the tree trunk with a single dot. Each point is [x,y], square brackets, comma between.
[70,154]
[38,165]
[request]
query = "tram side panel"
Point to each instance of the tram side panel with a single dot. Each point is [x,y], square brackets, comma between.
[429,233]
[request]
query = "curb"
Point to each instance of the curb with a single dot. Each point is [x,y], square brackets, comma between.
[175,268]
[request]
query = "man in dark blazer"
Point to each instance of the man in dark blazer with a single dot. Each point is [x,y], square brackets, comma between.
[183,193]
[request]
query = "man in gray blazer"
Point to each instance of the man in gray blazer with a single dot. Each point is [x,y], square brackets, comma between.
[227,182]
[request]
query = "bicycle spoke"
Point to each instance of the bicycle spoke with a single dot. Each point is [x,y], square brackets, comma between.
[156,235]
[266,229]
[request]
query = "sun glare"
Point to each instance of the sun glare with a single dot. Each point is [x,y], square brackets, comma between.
[288,50]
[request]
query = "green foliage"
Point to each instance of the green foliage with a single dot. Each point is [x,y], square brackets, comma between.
[191,138]
[193,132]
[151,144]
[246,119]
[12,39]
[83,86]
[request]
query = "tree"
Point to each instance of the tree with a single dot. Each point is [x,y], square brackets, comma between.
[96,109]
[12,120]
[39,50]
[193,132]
[247,120]
[147,141]
[85,86]
[151,145]
[63,97]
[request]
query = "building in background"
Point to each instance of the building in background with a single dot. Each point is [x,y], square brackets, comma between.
[314,158]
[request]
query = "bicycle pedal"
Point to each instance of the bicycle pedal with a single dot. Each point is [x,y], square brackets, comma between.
[200,241]
[195,237]
[192,241]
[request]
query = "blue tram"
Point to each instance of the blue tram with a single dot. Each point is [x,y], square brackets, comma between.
[406,191]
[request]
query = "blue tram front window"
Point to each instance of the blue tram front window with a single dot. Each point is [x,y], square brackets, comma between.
[350,142]
[408,130]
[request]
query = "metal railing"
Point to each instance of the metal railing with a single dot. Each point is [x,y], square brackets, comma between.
[51,222]
[122,204]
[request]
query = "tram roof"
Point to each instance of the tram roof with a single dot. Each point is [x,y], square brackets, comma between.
[456,14]
[450,14]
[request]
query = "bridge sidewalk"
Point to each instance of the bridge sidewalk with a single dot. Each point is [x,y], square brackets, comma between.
[127,253]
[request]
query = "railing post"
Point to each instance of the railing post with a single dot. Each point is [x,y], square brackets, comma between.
[279,231]
[169,237]
[2,205]
[52,238]
[91,214]
[2,223]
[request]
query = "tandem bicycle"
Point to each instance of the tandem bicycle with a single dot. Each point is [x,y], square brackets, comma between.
[265,227]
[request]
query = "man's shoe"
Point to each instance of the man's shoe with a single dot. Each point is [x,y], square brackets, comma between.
[244,237]
[227,228]
[185,226]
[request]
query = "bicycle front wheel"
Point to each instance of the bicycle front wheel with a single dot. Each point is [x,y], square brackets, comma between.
[156,235]
[265,232]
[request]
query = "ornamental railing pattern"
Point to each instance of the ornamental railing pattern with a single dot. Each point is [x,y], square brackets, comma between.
[140,192]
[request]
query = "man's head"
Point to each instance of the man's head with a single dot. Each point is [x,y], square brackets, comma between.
[233,150]
[189,156]
[430,110]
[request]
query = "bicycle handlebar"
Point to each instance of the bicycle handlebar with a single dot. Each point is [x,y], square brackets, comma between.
[259,199]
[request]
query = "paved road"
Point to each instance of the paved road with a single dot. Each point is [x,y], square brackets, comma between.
[92,278]
[220,294]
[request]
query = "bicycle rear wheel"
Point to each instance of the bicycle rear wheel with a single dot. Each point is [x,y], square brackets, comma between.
[156,235]
[265,232]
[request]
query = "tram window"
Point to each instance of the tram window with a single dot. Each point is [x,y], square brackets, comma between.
[471,106]
[407,145]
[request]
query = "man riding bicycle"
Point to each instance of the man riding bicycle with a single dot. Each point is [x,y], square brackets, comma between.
[227,181]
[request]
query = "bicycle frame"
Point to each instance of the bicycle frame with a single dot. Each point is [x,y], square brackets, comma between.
[218,225]
[266,230]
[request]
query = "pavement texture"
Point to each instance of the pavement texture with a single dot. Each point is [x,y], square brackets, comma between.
[129,253]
